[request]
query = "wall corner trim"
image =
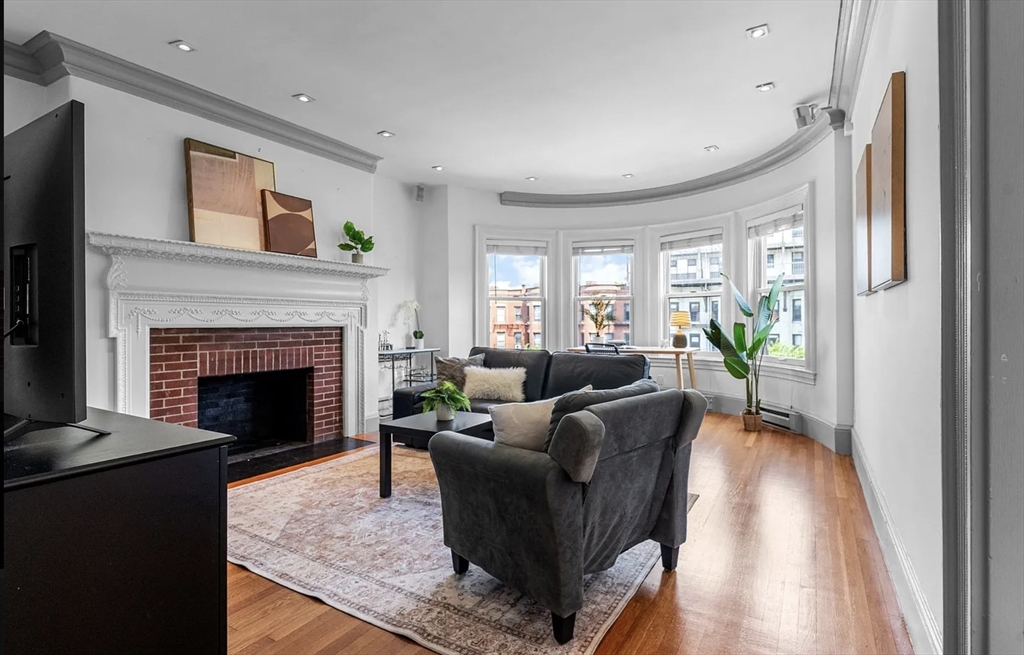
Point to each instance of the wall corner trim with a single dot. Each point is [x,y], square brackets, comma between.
[47,57]
[925,632]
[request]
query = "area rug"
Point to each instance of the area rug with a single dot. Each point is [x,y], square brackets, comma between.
[324,532]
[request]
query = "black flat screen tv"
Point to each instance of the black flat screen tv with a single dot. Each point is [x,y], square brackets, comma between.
[44,269]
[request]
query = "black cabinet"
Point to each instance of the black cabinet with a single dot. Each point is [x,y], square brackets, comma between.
[116,543]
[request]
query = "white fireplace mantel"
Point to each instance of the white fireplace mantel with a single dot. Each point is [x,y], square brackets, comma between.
[157,283]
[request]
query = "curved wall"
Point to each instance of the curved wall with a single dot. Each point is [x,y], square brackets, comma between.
[828,400]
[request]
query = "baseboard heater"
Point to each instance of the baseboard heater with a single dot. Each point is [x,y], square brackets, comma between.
[786,419]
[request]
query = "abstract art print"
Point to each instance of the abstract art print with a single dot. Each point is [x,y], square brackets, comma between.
[289,224]
[862,220]
[888,198]
[225,204]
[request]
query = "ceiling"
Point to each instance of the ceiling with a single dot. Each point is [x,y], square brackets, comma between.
[576,94]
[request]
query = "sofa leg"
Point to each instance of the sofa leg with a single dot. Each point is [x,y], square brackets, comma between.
[459,563]
[669,557]
[563,627]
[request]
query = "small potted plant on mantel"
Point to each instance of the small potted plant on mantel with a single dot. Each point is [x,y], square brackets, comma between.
[357,244]
[742,355]
[445,399]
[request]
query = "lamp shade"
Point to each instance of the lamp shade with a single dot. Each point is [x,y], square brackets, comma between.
[680,319]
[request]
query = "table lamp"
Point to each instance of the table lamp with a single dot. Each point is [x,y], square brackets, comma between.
[680,320]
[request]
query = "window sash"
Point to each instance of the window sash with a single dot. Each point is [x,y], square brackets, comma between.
[689,240]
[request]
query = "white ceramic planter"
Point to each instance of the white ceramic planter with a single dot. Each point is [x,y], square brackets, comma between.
[445,413]
[419,343]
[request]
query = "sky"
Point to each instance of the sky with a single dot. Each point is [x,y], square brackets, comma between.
[513,271]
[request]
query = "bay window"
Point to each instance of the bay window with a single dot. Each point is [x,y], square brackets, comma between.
[603,290]
[776,246]
[515,292]
[692,273]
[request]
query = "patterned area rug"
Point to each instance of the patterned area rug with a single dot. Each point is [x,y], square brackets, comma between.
[324,532]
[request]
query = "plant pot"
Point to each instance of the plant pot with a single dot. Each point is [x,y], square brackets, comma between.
[751,422]
[445,413]
[419,343]
[357,258]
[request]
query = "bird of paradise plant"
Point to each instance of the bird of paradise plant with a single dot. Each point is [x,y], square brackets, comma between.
[743,354]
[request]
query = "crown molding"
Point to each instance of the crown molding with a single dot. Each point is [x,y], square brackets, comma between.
[47,57]
[117,245]
[856,18]
[793,148]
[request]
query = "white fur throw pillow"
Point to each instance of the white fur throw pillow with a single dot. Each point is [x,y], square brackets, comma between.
[495,383]
[524,425]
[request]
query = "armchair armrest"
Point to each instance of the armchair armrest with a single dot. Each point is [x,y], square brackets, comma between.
[516,514]
[404,400]
[670,528]
[576,444]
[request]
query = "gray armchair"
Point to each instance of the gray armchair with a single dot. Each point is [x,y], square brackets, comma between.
[615,475]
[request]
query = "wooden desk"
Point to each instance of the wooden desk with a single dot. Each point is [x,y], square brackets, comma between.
[678,353]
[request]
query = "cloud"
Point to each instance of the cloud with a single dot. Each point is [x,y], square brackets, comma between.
[604,269]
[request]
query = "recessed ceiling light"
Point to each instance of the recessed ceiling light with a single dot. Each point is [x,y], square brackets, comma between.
[181,45]
[758,32]
[711,148]
[302,97]
[767,86]
[531,179]
[385,134]
[628,175]
[438,168]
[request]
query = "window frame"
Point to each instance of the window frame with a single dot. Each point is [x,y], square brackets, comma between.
[598,239]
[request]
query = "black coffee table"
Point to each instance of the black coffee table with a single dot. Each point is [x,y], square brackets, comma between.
[420,428]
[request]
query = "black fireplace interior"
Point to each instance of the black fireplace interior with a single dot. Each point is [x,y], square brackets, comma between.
[260,409]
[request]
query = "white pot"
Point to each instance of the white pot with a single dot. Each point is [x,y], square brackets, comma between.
[357,258]
[445,413]
[419,343]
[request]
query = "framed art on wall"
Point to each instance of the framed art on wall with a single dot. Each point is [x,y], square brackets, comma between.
[862,221]
[888,198]
[225,202]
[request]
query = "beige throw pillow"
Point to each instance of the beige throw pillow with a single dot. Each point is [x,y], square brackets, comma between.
[523,425]
[495,383]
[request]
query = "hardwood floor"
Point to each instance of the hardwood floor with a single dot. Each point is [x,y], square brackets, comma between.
[781,557]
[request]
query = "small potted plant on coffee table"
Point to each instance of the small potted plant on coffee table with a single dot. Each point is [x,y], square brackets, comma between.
[445,399]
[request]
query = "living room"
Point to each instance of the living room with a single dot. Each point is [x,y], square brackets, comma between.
[493,180]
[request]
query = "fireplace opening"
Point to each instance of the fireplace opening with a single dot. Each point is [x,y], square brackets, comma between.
[261,409]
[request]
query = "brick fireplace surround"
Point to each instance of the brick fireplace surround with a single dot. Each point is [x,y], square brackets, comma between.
[178,357]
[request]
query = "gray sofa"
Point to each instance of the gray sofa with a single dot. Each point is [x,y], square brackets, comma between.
[547,375]
[615,475]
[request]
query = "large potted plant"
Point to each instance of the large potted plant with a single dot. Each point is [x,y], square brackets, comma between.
[445,399]
[743,354]
[357,244]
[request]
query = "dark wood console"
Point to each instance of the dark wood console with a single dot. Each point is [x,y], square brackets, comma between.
[116,543]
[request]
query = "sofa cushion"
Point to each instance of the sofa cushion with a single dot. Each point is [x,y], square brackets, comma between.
[570,371]
[522,425]
[576,400]
[453,369]
[483,405]
[495,383]
[534,361]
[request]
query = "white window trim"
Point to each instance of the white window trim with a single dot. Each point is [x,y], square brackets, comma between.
[799,371]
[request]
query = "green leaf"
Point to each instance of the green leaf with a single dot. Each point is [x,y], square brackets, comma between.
[773,295]
[738,368]
[349,229]
[739,336]
[358,237]
[740,300]
[347,247]
[367,245]
[714,334]
[764,314]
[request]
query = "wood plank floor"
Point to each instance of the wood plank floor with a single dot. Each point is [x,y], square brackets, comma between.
[780,558]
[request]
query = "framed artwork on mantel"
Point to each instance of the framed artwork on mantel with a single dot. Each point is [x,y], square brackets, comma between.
[225,202]
[862,220]
[289,224]
[888,198]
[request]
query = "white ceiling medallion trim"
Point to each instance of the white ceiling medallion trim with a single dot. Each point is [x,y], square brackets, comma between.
[856,18]
[794,147]
[120,245]
[48,57]
[153,285]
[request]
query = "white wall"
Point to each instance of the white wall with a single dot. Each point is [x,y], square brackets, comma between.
[135,185]
[468,208]
[896,334]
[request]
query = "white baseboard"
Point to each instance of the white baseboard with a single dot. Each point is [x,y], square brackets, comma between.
[925,632]
[834,437]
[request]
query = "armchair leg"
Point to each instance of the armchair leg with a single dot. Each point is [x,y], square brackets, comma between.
[669,557]
[459,563]
[563,627]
